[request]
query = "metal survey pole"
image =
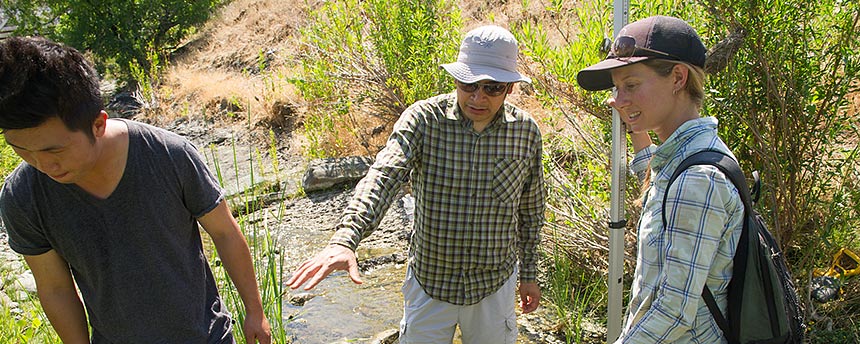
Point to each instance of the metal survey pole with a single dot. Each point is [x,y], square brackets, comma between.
[617,218]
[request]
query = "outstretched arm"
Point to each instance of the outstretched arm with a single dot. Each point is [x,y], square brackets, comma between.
[373,195]
[58,296]
[236,256]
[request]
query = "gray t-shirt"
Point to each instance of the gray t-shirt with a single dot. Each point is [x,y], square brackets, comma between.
[136,256]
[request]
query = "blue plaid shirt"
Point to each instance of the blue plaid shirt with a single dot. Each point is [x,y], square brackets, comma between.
[705,217]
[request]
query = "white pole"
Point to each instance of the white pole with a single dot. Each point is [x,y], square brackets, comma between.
[617,220]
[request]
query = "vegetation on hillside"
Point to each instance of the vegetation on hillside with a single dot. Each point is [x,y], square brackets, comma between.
[132,38]
[371,58]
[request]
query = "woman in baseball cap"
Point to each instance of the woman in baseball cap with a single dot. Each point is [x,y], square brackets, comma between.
[657,67]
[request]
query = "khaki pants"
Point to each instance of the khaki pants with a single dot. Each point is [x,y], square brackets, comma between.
[429,321]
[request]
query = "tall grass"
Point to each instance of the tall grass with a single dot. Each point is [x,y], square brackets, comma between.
[254,223]
[577,295]
[27,323]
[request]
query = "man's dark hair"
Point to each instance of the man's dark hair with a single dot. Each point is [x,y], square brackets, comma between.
[41,79]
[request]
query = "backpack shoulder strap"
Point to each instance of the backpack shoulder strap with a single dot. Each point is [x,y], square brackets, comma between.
[724,163]
[732,170]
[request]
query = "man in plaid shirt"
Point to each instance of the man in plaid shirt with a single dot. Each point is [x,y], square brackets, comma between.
[475,165]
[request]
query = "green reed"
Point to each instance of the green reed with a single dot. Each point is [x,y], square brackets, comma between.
[254,221]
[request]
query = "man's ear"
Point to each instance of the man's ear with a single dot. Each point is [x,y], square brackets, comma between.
[100,124]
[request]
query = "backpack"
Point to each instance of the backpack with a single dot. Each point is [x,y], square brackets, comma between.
[762,303]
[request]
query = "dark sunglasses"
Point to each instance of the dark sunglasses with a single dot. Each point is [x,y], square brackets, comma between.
[491,89]
[625,46]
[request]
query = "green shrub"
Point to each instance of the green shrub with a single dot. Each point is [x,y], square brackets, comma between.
[783,109]
[123,34]
[782,104]
[372,58]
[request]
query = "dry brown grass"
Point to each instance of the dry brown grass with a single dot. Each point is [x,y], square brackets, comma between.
[221,64]
[853,104]
[235,68]
[234,39]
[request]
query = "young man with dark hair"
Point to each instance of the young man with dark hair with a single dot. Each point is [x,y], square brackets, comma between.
[113,206]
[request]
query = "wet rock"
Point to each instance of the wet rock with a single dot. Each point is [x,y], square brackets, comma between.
[300,299]
[398,258]
[23,286]
[126,104]
[6,301]
[386,337]
[325,173]
[825,288]
[220,136]
[202,134]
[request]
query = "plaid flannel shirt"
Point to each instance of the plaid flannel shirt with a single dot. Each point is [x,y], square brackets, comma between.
[479,197]
[705,217]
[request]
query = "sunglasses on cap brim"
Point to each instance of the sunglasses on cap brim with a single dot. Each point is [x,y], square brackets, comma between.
[625,46]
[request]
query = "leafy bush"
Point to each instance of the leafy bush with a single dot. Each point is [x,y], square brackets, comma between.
[782,103]
[128,34]
[372,57]
[576,142]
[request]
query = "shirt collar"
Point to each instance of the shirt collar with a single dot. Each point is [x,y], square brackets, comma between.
[667,150]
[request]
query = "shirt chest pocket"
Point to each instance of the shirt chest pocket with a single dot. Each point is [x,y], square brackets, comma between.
[509,175]
[651,237]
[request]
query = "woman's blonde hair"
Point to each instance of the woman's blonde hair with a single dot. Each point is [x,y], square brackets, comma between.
[695,87]
[695,78]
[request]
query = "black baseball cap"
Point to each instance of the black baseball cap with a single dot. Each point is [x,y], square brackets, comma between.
[657,37]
